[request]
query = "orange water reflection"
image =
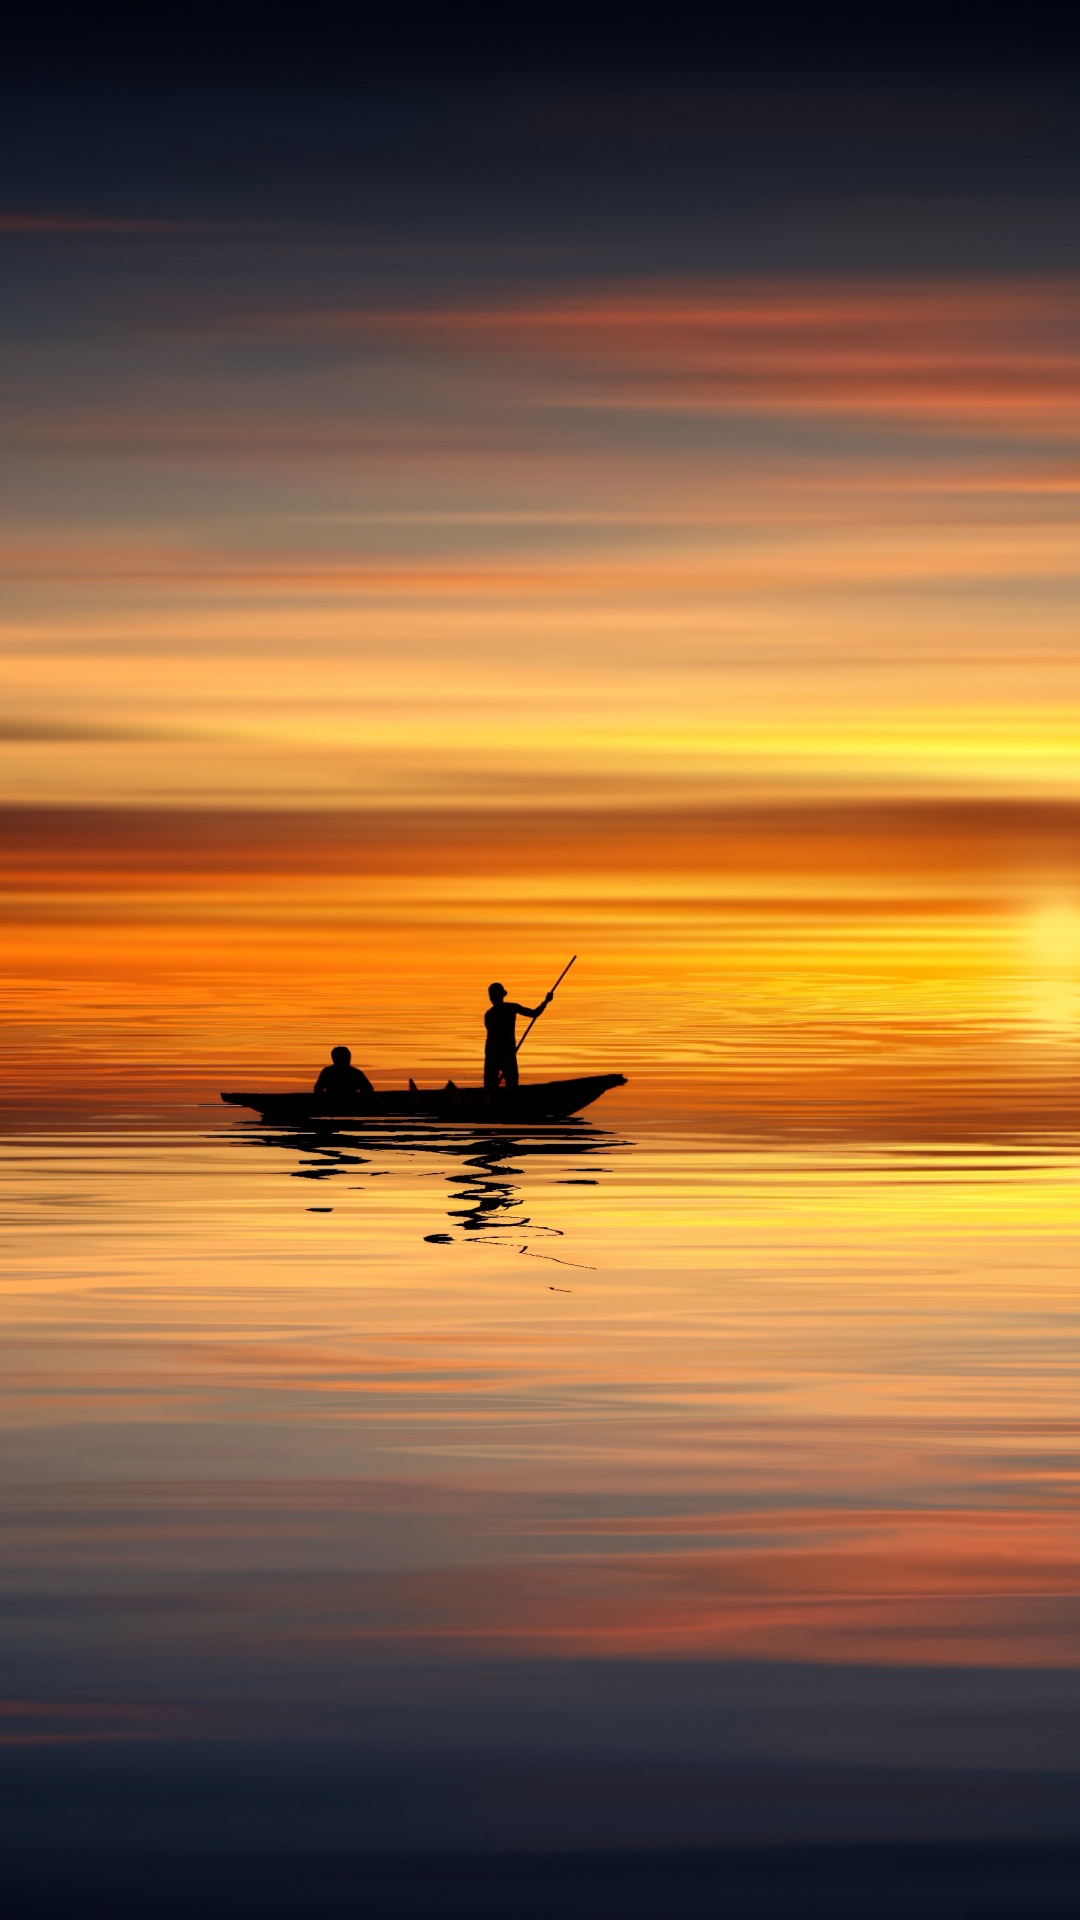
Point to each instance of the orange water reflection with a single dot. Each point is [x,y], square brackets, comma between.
[725,1400]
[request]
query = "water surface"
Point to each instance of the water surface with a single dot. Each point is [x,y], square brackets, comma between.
[284,1412]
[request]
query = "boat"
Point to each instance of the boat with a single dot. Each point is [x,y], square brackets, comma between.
[538,1101]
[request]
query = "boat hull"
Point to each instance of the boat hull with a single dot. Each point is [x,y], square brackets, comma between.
[538,1101]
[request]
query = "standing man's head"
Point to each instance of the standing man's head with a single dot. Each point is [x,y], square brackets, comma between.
[496,991]
[340,1056]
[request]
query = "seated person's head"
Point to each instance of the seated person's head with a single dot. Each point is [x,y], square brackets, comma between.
[340,1056]
[496,991]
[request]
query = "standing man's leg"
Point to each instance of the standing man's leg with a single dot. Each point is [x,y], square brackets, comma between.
[510,1070]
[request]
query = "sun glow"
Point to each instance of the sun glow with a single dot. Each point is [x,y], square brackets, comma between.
[1053,937]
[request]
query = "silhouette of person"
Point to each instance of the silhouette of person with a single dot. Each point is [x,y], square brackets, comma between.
[342,1087]
[500,1055]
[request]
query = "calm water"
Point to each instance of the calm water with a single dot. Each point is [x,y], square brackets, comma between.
[595,1494]
[285,1415]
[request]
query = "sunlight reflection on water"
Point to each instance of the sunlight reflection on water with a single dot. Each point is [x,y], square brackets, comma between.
[563,1391]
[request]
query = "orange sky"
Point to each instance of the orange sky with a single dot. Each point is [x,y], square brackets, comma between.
[721,629]
[667,542]
[905,967]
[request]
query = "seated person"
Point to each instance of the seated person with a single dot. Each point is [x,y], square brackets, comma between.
[342,1088]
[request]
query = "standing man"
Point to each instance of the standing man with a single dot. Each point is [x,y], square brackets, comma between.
[500,1051]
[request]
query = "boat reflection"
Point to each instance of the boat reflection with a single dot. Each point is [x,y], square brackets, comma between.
[486,1197]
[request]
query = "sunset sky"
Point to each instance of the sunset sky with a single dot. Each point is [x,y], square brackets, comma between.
[468,468]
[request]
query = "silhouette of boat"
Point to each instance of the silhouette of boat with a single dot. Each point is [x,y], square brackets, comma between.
[542,1100]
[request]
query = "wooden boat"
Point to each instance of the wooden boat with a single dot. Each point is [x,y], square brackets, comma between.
[540,1100]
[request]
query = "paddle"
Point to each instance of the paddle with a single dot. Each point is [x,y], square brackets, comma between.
[536,1016]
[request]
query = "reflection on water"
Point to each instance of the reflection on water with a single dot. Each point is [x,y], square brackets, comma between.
[491,1197]
[290,1417]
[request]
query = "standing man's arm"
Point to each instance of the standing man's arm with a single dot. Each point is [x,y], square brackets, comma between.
[533,1013]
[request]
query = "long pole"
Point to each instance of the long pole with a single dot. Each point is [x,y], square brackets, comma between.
[536,1016]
